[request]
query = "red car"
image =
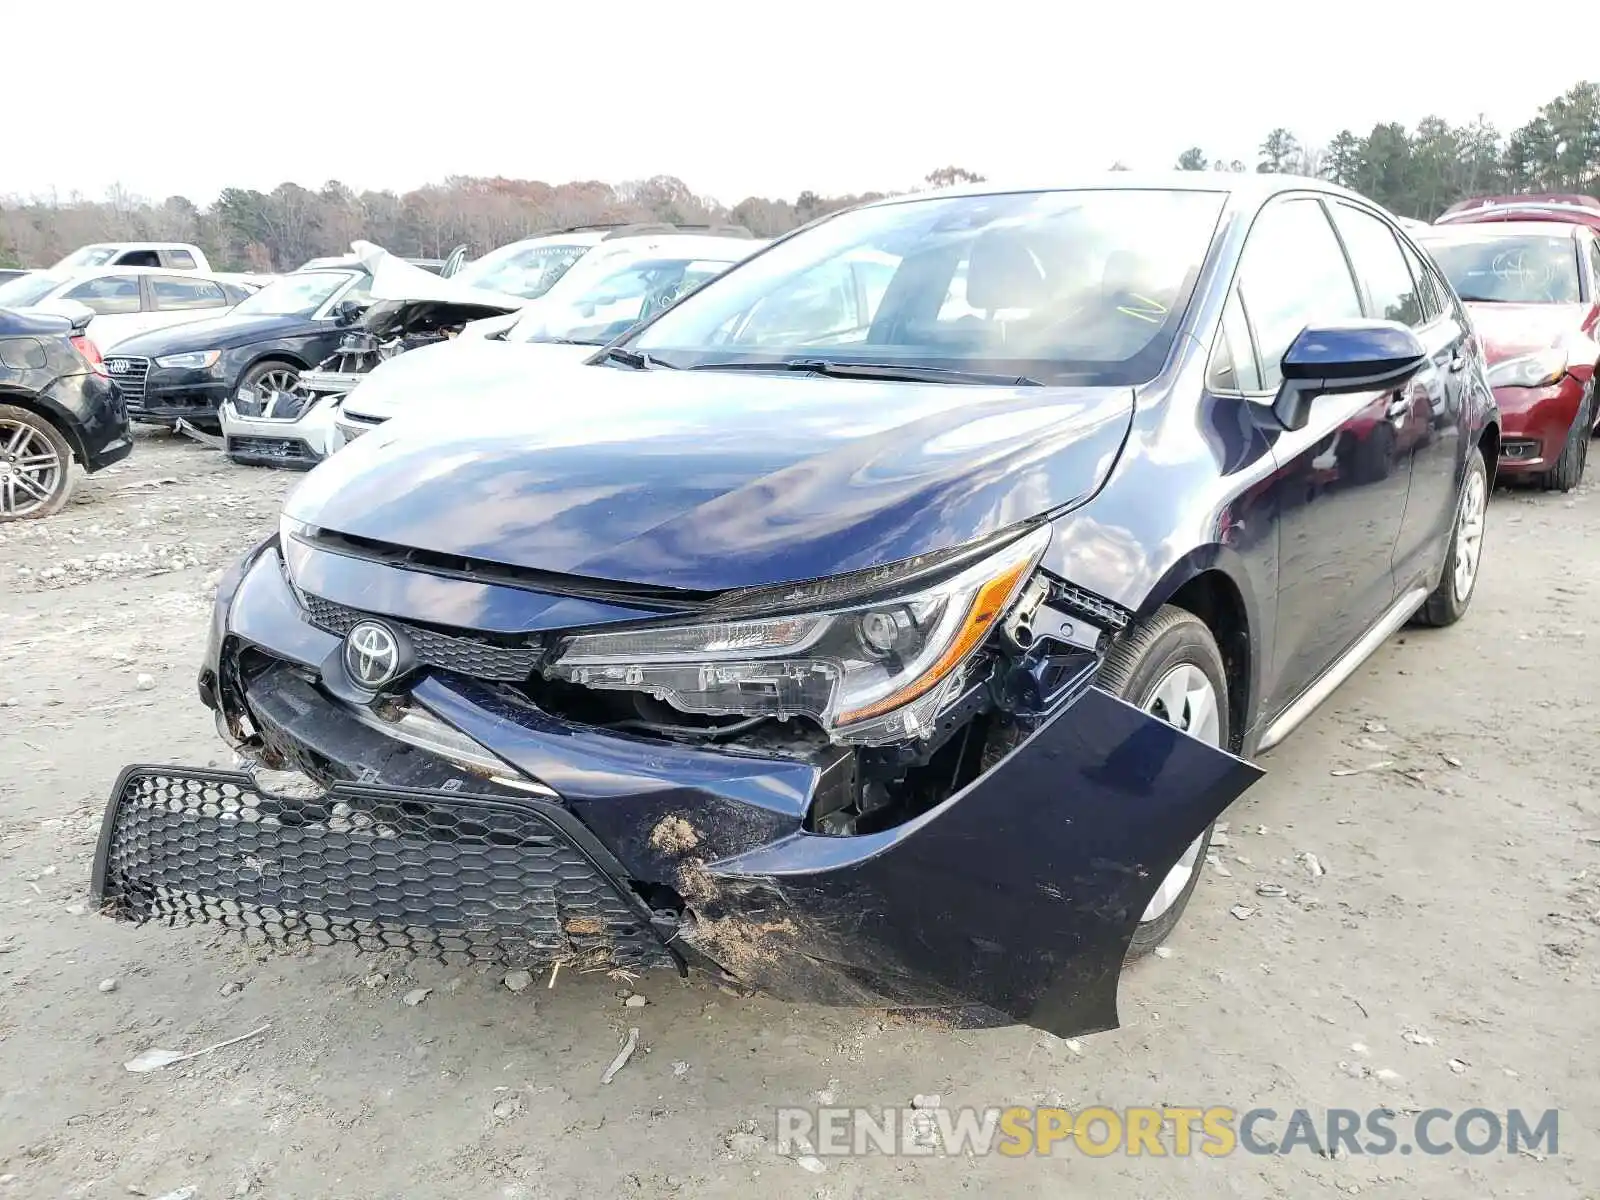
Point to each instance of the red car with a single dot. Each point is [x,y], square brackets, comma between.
[1531,287]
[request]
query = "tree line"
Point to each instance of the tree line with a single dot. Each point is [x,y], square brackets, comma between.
[1413,172]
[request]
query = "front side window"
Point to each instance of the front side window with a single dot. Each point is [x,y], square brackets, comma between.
[528,270]
[89,256]
[171,292]
[1293,274]
[1379,263]
[300,294]
[108,295]
[1063,287]
[610,304]
[1486,267]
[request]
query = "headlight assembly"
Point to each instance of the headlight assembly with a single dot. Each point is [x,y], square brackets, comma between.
[869,673]
[1529,370]
[196,360]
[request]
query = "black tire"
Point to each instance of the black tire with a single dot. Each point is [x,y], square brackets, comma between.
[267,366]
[57,482]
[1568,471]
[1141,659]
[1445,606]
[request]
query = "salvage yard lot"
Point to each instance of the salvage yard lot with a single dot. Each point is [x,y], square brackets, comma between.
[1448,791]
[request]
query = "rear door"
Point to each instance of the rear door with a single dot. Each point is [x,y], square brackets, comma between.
[1425,415]
[1340,483]
[176,299]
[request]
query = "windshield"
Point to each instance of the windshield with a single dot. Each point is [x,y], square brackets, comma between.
[26,290]
[1061,287]
[89,256]
[299,295]
[609,306]
[526,269]
[1525,268]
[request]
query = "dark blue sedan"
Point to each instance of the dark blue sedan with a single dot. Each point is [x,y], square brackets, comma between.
[886,623]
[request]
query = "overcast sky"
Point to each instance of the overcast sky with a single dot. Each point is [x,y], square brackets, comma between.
[174,96]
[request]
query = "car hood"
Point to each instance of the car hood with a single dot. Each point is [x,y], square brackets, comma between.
[707,481]
[395,279]
[218,333]
[452,369]
[1508,330]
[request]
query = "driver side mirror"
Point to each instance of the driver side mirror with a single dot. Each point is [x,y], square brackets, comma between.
[347,312]
[1343,357]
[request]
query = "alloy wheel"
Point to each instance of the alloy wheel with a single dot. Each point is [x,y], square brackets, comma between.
[1469,533]
[277,380]
[31,472]
[1184,697]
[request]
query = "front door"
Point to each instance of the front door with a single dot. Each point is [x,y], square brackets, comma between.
[1339,488]
[1427,413]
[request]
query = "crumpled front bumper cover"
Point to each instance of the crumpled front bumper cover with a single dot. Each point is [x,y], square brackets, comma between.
[1017,895]
[298,443]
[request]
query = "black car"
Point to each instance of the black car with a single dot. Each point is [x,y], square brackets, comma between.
[897,649]
[57,404]
[261,344]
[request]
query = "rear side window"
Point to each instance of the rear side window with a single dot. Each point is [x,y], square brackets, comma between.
[181,258]
[170,293]
[1428,293]
[1233,357]
[1292,273]
[1379,263]
[108,295]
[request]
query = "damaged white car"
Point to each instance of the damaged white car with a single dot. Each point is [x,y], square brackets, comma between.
[411,307]
[593,304]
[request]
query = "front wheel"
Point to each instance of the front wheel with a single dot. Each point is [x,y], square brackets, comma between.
[1449,601]
[1568,471]
[1170,667]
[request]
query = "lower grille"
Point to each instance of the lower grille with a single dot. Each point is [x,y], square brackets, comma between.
[280,451]
[450,877]
[131,373]
[448,652]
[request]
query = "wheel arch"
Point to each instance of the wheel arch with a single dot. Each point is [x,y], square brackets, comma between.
[38,405]
[1489,444]
[1211,583]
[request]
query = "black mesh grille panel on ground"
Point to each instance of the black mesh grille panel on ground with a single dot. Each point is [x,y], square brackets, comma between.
[444,876]
[464,655]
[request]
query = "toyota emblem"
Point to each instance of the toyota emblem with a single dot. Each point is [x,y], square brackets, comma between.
[373,655]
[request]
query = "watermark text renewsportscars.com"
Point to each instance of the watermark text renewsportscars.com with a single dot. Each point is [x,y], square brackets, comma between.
[1213,1131]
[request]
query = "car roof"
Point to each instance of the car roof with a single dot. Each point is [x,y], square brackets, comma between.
[108,269]
[1481,229]
[692,245]
[1246,187]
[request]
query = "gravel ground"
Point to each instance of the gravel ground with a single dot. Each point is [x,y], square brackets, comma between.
[1458,919]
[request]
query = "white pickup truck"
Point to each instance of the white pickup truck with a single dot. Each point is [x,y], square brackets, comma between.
[171,256]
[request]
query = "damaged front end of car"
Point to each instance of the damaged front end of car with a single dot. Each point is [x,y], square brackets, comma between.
[297,428]
[897,787]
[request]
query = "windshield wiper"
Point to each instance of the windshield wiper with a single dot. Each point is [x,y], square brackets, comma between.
[1483,300]
[895,372]
[636,359]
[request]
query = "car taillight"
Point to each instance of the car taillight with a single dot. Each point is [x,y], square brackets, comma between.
[91,352]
